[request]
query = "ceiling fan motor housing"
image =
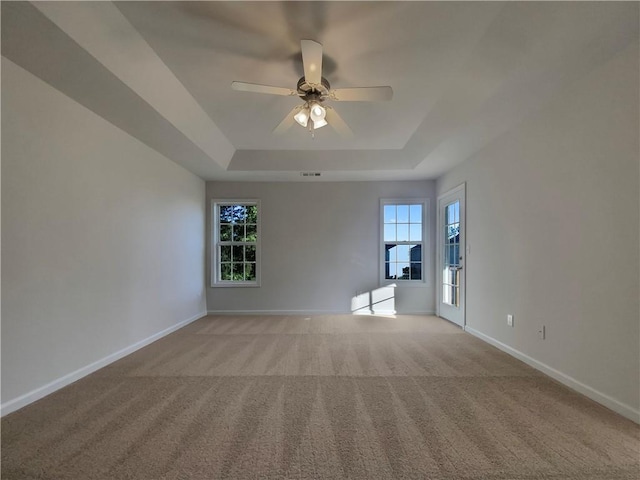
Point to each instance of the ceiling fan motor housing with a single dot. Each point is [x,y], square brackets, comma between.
[313,92]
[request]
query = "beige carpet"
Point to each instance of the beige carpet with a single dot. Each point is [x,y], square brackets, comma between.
[329,397]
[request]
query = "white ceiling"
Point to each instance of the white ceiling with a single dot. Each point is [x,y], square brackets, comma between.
[463,74]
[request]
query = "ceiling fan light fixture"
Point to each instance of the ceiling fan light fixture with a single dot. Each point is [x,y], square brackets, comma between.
[321,122]
[318,112]
[302,117]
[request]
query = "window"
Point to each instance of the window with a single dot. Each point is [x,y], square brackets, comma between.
[403,233]
[235,237]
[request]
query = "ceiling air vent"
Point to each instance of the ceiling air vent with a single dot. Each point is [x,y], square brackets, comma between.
[310,174]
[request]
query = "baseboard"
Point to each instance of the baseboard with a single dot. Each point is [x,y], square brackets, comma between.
[308,312]
[602,398]
[277,312]
[41,392]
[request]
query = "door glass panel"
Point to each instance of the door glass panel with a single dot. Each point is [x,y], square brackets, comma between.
[451,255]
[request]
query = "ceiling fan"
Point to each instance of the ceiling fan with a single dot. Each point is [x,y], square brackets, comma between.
[314,89]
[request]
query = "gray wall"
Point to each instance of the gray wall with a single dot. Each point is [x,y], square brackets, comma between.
[102,240]
[553,223]
[320,246]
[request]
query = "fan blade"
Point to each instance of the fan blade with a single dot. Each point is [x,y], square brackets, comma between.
[361,94]
[287,122]
[312,61]
[255,88]
[337,123]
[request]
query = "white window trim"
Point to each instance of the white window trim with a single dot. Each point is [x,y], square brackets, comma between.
[215,264]
[425,241]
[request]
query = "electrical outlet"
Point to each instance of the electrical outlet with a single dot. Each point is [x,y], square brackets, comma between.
[542,333]
[510,320]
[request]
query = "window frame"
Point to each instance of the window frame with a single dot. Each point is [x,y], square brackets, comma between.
[424,202]
[216,280]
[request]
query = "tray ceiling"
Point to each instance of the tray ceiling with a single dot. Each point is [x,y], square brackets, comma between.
[463,74]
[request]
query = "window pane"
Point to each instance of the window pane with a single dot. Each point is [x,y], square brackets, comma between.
[226,214]
[390,233]
[403,271]
[251,233]
[390,253]
[389,214]
[252,214]
[225,271]
[238,253]
[239,213]
[415,232]
[416,271]
[456,210]
[415,253]
[415,214]
[250,253]
[403,253]
[225,253]
[403,232]
[403,213]
[238,272]
[225,233]
[390,271]
[238,233]
[250,272]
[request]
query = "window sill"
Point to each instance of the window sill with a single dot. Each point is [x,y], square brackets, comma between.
[404,283]
[235,284]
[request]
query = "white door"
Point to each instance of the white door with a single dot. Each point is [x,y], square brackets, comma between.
[451,255]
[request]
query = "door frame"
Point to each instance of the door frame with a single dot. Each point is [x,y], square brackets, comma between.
[460,189]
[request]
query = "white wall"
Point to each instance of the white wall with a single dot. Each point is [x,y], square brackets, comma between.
[102,240]
[553,225]
[320,246]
